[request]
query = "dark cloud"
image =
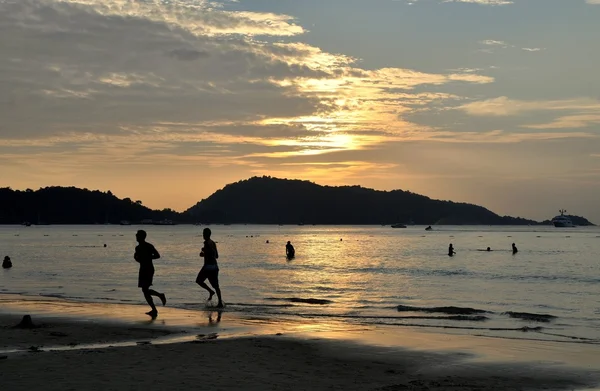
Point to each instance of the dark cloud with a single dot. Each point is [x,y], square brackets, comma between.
[188,54]
[69,68]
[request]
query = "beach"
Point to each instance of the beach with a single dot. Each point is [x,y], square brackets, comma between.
[83,349]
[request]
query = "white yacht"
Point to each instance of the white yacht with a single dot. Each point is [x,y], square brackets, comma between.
[562,221]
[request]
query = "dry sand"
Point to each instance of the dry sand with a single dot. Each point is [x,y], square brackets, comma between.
[254,363]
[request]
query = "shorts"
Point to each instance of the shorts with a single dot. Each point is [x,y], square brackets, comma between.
[210,272]
[145,277]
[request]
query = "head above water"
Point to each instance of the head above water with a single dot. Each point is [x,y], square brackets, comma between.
[206,233]
[141,235]
[488,249]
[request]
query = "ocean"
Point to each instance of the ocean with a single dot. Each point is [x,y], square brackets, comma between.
[357,275]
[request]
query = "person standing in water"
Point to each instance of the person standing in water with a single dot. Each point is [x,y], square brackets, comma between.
[514,249]
[210,270]
[145,253]
[7,263]
[451,251]
[289,250]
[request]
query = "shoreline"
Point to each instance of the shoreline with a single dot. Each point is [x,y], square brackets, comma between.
[271,362]
[267,353]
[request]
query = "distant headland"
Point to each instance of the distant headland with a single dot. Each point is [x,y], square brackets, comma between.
[258,200]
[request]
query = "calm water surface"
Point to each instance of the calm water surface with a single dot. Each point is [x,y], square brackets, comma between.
[363,274]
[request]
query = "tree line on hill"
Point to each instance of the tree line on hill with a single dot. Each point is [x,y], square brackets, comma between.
[71,205]
[258,200]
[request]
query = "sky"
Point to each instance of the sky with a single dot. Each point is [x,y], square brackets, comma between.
[492,102]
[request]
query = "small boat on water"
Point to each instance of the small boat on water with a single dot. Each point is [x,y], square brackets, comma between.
[398,225]
[562,221]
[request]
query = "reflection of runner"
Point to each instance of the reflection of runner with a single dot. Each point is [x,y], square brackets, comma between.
[289,250]
[210,270]
[144,254]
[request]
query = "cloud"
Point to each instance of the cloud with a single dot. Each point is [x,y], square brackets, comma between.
[492,42]
[569,121]
[577,113]
[199,17]
[502,137]
[483,2]
[503,106]
[191,72]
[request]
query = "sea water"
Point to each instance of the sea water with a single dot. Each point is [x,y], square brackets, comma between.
[361,275]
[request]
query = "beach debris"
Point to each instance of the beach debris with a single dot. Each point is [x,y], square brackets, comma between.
[204,337]
[26,323]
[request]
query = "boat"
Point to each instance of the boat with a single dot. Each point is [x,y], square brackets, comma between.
[562,221]
[398,225]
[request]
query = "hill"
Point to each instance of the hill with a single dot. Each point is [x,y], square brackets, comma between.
[258,200]
[70,205]
[266,200]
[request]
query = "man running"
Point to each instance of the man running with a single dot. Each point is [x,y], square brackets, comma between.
[210,270]
[144,254]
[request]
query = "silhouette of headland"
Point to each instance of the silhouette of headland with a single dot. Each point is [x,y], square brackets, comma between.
[258,200]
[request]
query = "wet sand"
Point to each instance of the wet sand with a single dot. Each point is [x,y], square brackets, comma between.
[134,353]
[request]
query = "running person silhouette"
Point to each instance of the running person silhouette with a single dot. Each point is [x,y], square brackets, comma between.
[144,254]
[210,270]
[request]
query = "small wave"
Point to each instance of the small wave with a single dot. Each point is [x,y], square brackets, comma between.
[325,288]
[521,329]
[300,300]
[262,305]
[444,310]
[476,318]
[533,317]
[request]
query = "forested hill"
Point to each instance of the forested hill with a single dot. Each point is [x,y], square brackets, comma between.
[70,205]
[266,200]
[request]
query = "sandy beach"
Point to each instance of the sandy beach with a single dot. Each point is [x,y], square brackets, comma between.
[70,353]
